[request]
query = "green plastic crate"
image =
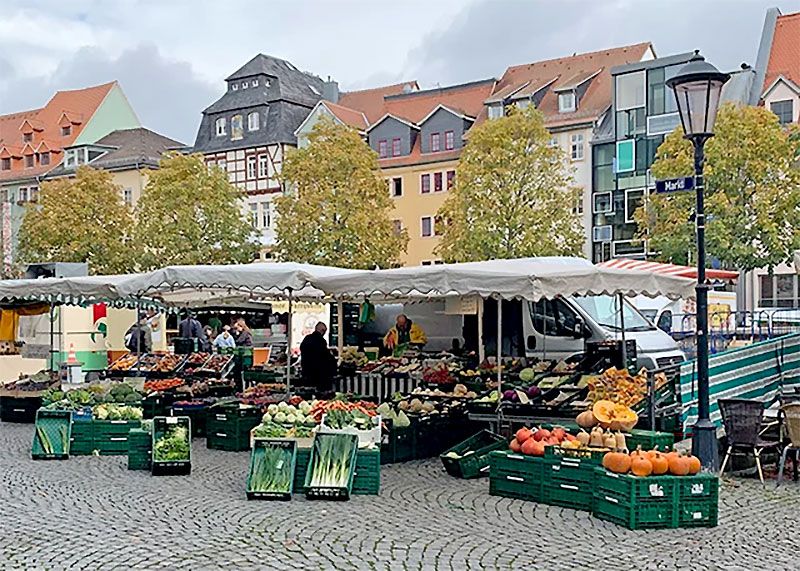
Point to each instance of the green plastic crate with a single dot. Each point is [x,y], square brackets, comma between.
[698,513]
[470,459]
[300,467]
[649,439]
[398,445]
[51,435]
[636,515]
[139,449]
[259,462]
[574,495]
[632,489]
[701,486]
[198,416]
[582,455]
[569,470]
[327,492]
[228,428]
[367,477]
[513,475]
[178,467]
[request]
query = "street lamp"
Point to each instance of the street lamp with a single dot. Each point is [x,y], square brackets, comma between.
[697,88]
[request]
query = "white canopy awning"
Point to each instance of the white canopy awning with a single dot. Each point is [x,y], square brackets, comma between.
[73,290]
[527,278]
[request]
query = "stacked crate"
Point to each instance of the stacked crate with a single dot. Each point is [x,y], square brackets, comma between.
[139,449]
[228,427]
[569,477]
[513,475]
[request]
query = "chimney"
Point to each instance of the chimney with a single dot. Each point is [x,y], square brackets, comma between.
[330,90]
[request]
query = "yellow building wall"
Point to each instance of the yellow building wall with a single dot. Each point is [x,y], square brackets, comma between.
[412,206]
[134,180]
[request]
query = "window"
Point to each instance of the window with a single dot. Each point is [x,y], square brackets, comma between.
[127,196]
[44,158]
[245,84]
[566,102]
[66,131]
[396,147]
[495,111]
[251,167]
[451,179]
[427,226]
[449,140]
[27,137]
[262,166]
[235,86]
[5,164]
[382,149]
[576,147]
[266,214]
[631,122]
[397,226]
[634,198]
[784,110]
[254,83]
[29,161]
[252,121]
[435,142]
[553,142]
[426,183]
[437,182]
[779,290]
[397,187]
[237,131]
[254,215]
[223,165]
[23,194]
[33,194]
[626,156]
[4,197]
[220,127]
[553,317]
[602,233]
[602,203]
[425,262]
[630,90]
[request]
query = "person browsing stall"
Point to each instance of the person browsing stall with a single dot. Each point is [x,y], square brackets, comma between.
[317,362]
[225,340]
[242,334]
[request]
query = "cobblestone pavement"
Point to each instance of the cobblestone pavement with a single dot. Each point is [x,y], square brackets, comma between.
[92,513]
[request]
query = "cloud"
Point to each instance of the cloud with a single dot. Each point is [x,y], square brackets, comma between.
[167,95]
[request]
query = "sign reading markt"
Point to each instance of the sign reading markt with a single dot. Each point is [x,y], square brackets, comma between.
[674,184]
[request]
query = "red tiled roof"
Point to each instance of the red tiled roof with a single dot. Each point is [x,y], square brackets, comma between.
[597,97]
[78,105]
[370,101]
[784,57]
[350,117]
[466,99]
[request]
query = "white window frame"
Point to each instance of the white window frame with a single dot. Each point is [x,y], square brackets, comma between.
[567,105]
[263,166]
[253,121]
[23,195]
[605,228]
[251,167]
[266,214]
[127,196]
[643,84]
[422,226]
[245,84]
[495,111]
[610,203]
[576,147]
[392,187]
[222,164]
[240,118]
[255,83]
[234,87]
[254,218]
[220,126]
[629,215]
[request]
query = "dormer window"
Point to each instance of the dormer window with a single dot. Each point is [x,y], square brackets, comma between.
[220,126]
[27,137]
[234,86]
[495,111]
[66,130]
[44,159]
[255,83]
[5,164]
[566,102]
[29,161]
[237,132]
[253,121]
[245,84]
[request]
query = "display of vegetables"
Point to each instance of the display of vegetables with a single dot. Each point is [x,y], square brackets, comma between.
[216,364]
[619,386]
[112,411]
[653,462]
[94,394]
[168,363]
[439,373]
[47,445]
[272,469]
[275,430]
[459,391]
[285,413]
[321,407]
[533,442]
[332,457]
[608,415]
[340,419]
[30,383]
[124,363]
[158,385]
[194,361]
[173,446]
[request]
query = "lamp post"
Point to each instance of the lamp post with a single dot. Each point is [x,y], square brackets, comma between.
[697,88]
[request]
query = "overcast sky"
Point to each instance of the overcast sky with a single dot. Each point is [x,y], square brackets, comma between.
[171,56]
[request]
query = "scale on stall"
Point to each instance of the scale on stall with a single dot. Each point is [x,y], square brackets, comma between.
[70,371]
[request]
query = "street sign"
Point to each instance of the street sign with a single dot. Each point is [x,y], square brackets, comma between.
[674,184]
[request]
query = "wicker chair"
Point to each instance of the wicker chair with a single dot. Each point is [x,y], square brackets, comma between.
[742,419]
[791,419]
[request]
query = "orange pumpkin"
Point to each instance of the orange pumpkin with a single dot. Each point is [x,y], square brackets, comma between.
[641,466]
[660,463]
[617,462]
[639,453]
[694,464]
[586,419]
[614,416]
[515,445]
[652,453]
[679,465]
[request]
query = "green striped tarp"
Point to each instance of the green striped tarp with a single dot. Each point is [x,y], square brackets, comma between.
[758,371]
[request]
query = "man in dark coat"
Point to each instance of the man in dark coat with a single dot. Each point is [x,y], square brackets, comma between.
[317,362]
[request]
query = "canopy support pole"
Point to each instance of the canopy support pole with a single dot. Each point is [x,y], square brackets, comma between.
[481,346]
[340,328]
[289,348]
[137,329]
[499,351]
[52,338]
[621,299]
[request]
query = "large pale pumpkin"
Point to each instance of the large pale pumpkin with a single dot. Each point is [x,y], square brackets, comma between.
[614,416]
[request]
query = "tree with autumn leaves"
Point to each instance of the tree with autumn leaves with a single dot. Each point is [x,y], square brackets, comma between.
[514,195]
[336,208]
[752,193]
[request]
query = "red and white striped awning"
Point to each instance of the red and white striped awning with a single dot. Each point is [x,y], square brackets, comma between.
[668,269]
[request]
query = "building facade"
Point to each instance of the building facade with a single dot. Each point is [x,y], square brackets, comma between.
[127,154]
[247,131]
[32,144]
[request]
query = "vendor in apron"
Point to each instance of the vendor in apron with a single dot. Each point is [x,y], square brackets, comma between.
[403,335]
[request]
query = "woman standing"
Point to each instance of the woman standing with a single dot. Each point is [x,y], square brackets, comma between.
[242,334]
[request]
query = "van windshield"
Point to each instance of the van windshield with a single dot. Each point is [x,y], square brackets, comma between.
[604,310]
